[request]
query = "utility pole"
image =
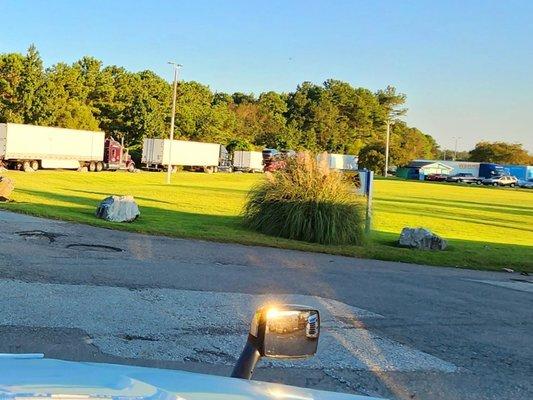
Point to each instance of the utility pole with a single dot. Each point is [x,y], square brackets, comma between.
[385,173]
[455,148]
[172,118]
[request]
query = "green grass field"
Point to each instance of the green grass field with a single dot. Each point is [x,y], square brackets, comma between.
[488,228]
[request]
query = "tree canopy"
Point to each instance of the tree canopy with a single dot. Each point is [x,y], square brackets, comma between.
[501,153]
[334,116]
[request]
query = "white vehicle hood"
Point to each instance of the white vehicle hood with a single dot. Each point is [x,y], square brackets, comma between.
[45,378]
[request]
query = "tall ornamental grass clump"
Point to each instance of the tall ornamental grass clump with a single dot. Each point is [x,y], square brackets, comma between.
[307,201]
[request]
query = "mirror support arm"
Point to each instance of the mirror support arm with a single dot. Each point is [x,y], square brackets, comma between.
[244,368]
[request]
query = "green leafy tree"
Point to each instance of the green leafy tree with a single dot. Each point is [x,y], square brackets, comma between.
[11,74]
[392,104]
[238,144]
[372,156]
[31,91]
[243,98]
[333,116]
[221,98]
[449,154]
[500,152]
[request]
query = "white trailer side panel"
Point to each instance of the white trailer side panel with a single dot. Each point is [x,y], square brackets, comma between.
[30,142]
[463,166]
[3,140]
[248,160]
[256,160]
[351,162]
[186,153]
[152,151]
[240,159]
[344,162]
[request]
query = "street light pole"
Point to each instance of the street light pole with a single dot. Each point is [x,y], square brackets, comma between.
[172,118]
[455,149]
[385,173]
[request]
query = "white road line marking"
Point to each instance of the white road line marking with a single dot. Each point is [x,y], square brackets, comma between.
[210,327]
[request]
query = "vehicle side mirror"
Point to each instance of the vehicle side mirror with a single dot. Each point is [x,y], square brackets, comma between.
[284,331]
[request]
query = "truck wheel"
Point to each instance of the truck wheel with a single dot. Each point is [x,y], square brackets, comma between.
[34,164]
[131,168]
[478,182]
[494,184]
[208,170]
[26,166]
[99,166]
[459,180]
[92,166]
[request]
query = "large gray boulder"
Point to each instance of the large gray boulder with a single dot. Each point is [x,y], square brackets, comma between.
[118,209]
[6,188]
[421,238]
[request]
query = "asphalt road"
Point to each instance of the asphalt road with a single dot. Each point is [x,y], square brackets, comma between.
[389,329]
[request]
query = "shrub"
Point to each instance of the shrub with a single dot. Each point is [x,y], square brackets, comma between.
[307,201]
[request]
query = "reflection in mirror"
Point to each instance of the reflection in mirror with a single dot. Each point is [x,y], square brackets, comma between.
[291,333]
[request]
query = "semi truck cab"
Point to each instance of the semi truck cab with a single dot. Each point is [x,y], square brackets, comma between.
[116,156]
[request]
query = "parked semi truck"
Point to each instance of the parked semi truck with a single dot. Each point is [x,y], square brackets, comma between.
[30,147]
[247,161]
[198,156]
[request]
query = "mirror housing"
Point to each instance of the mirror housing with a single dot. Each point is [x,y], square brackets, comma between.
[280,331]
[286,331]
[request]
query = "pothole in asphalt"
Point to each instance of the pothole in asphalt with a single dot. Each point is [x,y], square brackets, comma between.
[137,337]
[94,247]
[51,236]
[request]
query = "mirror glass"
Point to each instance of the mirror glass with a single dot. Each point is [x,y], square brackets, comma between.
[291,333]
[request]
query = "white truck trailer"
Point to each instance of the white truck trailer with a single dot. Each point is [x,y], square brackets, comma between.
[30,147]
[193,155]
[341,162]
[248,161]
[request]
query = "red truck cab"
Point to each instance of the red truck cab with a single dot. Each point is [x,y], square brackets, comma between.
[116,156]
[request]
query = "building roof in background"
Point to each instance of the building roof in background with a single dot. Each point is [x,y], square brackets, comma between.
[428,163]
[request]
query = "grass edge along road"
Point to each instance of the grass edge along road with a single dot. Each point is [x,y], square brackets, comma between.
[487,228]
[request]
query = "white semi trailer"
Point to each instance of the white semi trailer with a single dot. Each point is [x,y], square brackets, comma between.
[247,161]
[193,155]
[341,162]
[30,147]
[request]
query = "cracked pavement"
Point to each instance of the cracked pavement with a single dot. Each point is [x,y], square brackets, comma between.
[389,329]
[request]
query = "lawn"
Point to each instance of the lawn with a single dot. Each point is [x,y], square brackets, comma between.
[488,228]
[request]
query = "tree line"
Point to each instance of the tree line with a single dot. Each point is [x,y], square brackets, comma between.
[493,152]
[334,117]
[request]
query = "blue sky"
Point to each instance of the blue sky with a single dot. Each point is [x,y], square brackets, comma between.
[466,66]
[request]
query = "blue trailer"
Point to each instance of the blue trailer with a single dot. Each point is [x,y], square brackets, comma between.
[489,170]
[521,172]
